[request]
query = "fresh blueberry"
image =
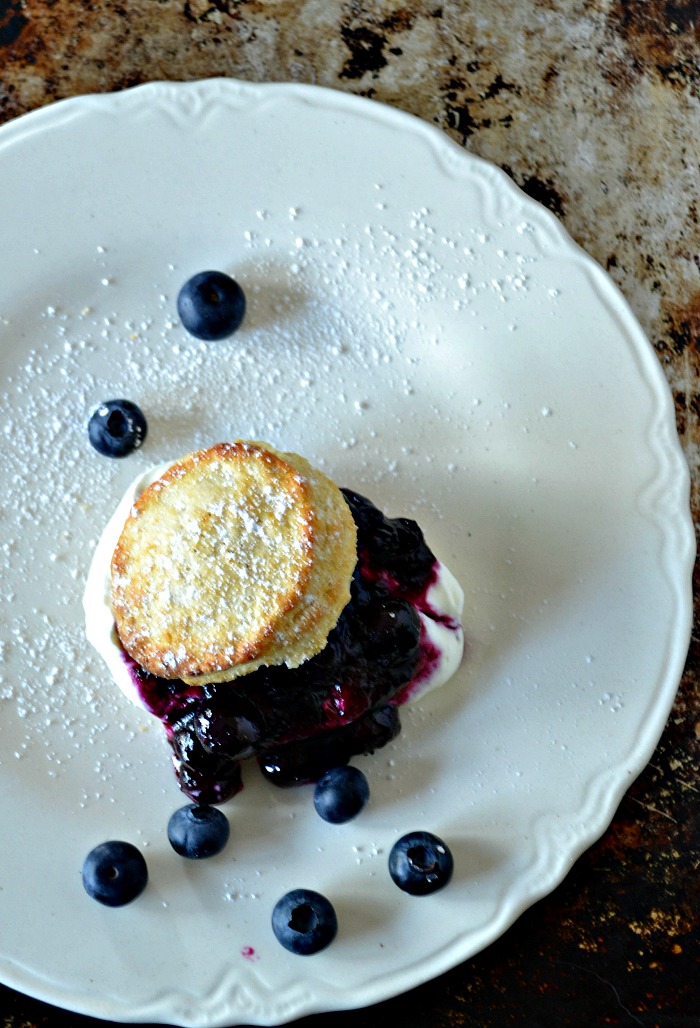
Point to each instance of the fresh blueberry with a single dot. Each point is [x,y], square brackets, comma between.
[115,873]
[211,305]
[197,831]
[420,863]
[304,921]
[116,428]
[340,794]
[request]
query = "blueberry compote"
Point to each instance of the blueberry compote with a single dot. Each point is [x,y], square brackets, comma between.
[299,722]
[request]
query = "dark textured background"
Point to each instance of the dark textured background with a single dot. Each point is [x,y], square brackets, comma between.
[593,107]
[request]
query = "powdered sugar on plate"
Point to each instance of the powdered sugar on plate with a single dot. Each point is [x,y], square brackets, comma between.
[411,318]
[333,359]
[315,352]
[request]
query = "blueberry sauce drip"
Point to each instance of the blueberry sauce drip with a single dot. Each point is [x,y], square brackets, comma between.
[299,722]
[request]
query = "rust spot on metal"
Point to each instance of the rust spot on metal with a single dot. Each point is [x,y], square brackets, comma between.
[12,20]
[370,42]
[469,99]
[544,190]
[662,37]
[683,324]
[367,51]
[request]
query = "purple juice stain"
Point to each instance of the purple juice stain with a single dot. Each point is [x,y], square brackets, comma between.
[299,722]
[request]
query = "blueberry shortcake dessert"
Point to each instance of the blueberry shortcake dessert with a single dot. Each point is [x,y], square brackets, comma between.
[261,612]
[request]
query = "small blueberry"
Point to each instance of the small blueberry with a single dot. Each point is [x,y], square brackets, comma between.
[420,863]
[115,873]
[117,428]
[198,831]
[304,921]
[211,305]
[340,794]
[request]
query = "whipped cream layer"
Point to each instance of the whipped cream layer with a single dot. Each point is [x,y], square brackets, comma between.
[440,611]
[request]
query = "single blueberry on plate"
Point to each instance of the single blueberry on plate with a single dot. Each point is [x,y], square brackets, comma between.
[198,831]
[115,873]
[211,305]
[304,921]
[420,863]
[116,428]
[340,794]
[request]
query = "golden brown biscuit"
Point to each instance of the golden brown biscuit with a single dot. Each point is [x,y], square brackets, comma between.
[237,556]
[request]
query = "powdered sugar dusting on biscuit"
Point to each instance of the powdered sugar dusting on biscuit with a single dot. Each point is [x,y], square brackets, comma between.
[227,558]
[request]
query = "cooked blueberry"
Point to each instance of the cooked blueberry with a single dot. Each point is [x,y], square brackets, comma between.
[198,831]
[368,518]
[211,305]
[117,428]
[376,729]
[340,794]
[391,546]
[408,535]
[115,873]
[304,921]
[234,733]
[304,761]
[420,863]
[392,629]
[208,781]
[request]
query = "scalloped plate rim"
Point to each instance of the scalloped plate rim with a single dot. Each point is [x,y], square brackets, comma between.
[604,795]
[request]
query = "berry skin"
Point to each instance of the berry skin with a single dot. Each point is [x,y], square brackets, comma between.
[198,831]
[340,794]
[211,305]
[420,863]
[304,922]
[116,428]
[115,873]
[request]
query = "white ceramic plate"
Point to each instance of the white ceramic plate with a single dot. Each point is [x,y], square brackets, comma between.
[431,337]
